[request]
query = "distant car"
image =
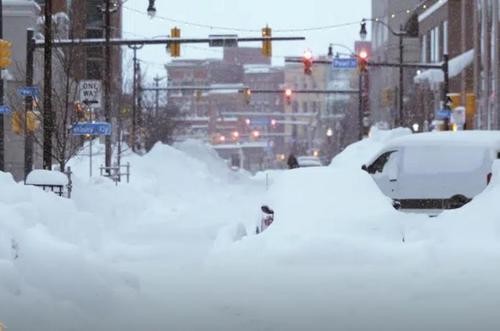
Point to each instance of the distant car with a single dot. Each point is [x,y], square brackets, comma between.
[435,170]
[309,161]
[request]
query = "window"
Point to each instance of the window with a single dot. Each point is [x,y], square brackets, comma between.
[445,37]
[379,164]
[94,69]
[423,54]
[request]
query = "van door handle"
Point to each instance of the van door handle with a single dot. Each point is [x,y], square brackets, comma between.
[393,180]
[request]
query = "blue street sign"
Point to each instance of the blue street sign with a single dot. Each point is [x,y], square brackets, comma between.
[4,109]
[95,129]
[260,121]
[28,91]
[345,63]
[442,114]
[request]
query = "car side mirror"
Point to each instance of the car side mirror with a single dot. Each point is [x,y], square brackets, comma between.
[267,210]
[364,167]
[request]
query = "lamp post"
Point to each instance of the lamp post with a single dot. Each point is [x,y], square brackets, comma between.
[400,34]
[151,9]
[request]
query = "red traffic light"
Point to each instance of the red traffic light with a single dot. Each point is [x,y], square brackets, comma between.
[363,55]
[308,62]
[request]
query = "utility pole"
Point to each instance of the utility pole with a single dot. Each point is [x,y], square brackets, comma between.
[107,82]
[28,104]
[2,132]
[401,80]
[496,65]
[134,94]
[48,117]
[157,80]
[360,105]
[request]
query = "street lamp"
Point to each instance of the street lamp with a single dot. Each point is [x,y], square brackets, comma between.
[400,34]
[151,9]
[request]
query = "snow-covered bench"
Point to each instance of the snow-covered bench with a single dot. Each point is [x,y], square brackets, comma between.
[52,181]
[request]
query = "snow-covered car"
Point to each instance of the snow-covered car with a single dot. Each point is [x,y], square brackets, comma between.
[435,170]
[309,161]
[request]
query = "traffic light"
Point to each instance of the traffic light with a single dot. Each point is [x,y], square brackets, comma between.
[5,54]
[175,47]
[80,112]
[308,62]
[16,123]
[362,60]
[247,93]
[288,96]
[32,121]
[267,48]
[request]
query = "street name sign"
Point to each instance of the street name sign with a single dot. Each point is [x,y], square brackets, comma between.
[91,92]
[4,109]
[28,91]
[95,129]
[345,63]
[223,40]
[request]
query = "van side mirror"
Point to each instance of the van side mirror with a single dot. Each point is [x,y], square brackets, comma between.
[364,167]
[267,210]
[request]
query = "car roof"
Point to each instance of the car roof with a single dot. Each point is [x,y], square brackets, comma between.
[467,138]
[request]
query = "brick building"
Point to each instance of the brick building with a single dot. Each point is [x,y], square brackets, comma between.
[224,115]
[303,131]
[384,101]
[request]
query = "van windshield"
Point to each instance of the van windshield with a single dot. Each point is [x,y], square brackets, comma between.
[432,159]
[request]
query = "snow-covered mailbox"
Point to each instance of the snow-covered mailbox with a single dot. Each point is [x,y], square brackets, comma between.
[52,181]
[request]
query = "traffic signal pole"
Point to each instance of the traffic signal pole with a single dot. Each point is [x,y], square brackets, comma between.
[401,80]
[48,116]
[28,103]
[107,85]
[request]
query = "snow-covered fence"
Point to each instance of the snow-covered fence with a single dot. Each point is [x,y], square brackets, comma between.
[57,182]
[115,172]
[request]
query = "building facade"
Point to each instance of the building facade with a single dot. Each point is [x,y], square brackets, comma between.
[384,101]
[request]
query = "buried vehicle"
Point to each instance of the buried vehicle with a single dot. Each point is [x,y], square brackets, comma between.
[435,170]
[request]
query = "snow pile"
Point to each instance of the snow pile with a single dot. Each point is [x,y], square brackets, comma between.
[175,250]
[358,153]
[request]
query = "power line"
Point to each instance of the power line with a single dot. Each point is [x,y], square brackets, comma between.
[208,26]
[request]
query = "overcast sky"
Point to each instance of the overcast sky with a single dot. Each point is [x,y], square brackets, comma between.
[340,20]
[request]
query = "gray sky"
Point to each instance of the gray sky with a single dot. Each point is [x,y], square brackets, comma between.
[249,15]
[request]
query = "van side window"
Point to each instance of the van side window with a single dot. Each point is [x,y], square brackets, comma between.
[379,163]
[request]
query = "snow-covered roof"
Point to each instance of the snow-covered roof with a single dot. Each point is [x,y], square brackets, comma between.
[463,138]
[257,68]
[255,144]
[455,67]
[46,177]
[432,9]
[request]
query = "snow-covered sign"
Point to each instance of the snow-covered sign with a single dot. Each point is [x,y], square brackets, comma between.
[91,92]
[46,177]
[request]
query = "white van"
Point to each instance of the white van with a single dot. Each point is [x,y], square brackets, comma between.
[435,170]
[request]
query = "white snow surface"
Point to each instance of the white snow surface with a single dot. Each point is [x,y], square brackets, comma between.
[175,250]
[46,177]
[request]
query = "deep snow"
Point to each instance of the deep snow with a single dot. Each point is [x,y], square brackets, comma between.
[175,250]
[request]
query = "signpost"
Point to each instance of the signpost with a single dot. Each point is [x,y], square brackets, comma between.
[4,109]
[345,63]
[29,91]
[91,92]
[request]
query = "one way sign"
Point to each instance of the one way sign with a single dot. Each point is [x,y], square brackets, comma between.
[91,92]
